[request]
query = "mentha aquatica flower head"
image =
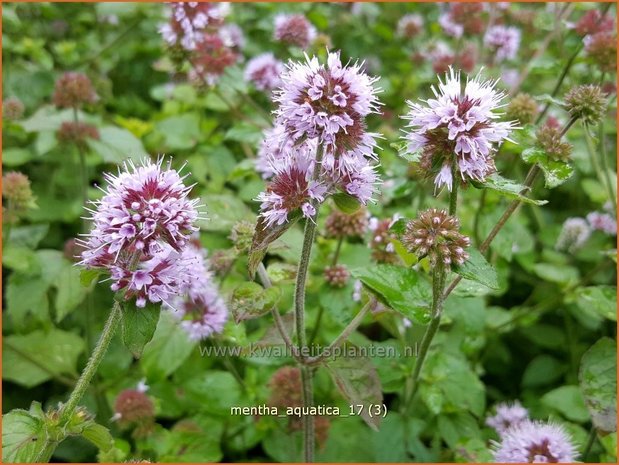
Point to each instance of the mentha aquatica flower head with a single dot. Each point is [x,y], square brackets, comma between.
[329,103]
[507,415]
[435,234]
[292,188]
[321,116]
[294,30]
[504,41]
[458,127]
[264,71]
[140,227]
[199,308]
[72,90]
[189,21]
[535,442]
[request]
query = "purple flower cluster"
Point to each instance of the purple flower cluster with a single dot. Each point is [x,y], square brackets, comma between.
[189,21]
[504,41]
[264,71]
[535,442]
[459,128]
[605,222]
[321,107]
[574,234]
[140,228]
[200,309]
[507,415]
[294,30]
[410,25]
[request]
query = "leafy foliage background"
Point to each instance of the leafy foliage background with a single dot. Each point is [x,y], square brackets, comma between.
[522,339]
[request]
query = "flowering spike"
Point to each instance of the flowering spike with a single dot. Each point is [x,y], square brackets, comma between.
[458,126]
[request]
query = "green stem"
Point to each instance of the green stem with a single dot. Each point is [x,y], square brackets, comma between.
[299,313]
[453,198]
[346,332]
[480,207]
[438,280]
[82,156]
[93,364]
[604,180]
[336,256]
[590,442]
[483,248]
[605,166]
[308,420]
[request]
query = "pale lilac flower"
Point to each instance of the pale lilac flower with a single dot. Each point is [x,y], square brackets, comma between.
[294,30]
[232,36]
[603,222]
[329,103]
[200,309]
[410,25]
[290,189]
[140,227]
[274,147]
[189,21]
[535,442]
[504,41]
[264,71]
[507,415]
[460,126]
[319,106]
[574,234]
[157,279]
[450,27]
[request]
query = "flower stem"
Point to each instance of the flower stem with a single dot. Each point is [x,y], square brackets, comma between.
[82,155]
[483,248]
[93,364]
[453,198]
[279,323]
[336,256]
[438,281]
[299,313]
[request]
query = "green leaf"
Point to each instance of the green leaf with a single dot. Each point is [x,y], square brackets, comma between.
[24,437]
[21,259]
[34,358]
[87,277]
[116,145]
[138,325]
[450,385]
[357,380]
[560,274]
[542,370]
[598,382]
[181,132]
[250,300]
[214,392]
[196,440]
[400,288]
[568,401]
[601,299]
[245,132]
[99,435]
[346,202]
[26,297]
[15,156]
[508,188]
[70,292]
[167,350]
[476,268]
[555,172]
[28,236]
[224,211]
